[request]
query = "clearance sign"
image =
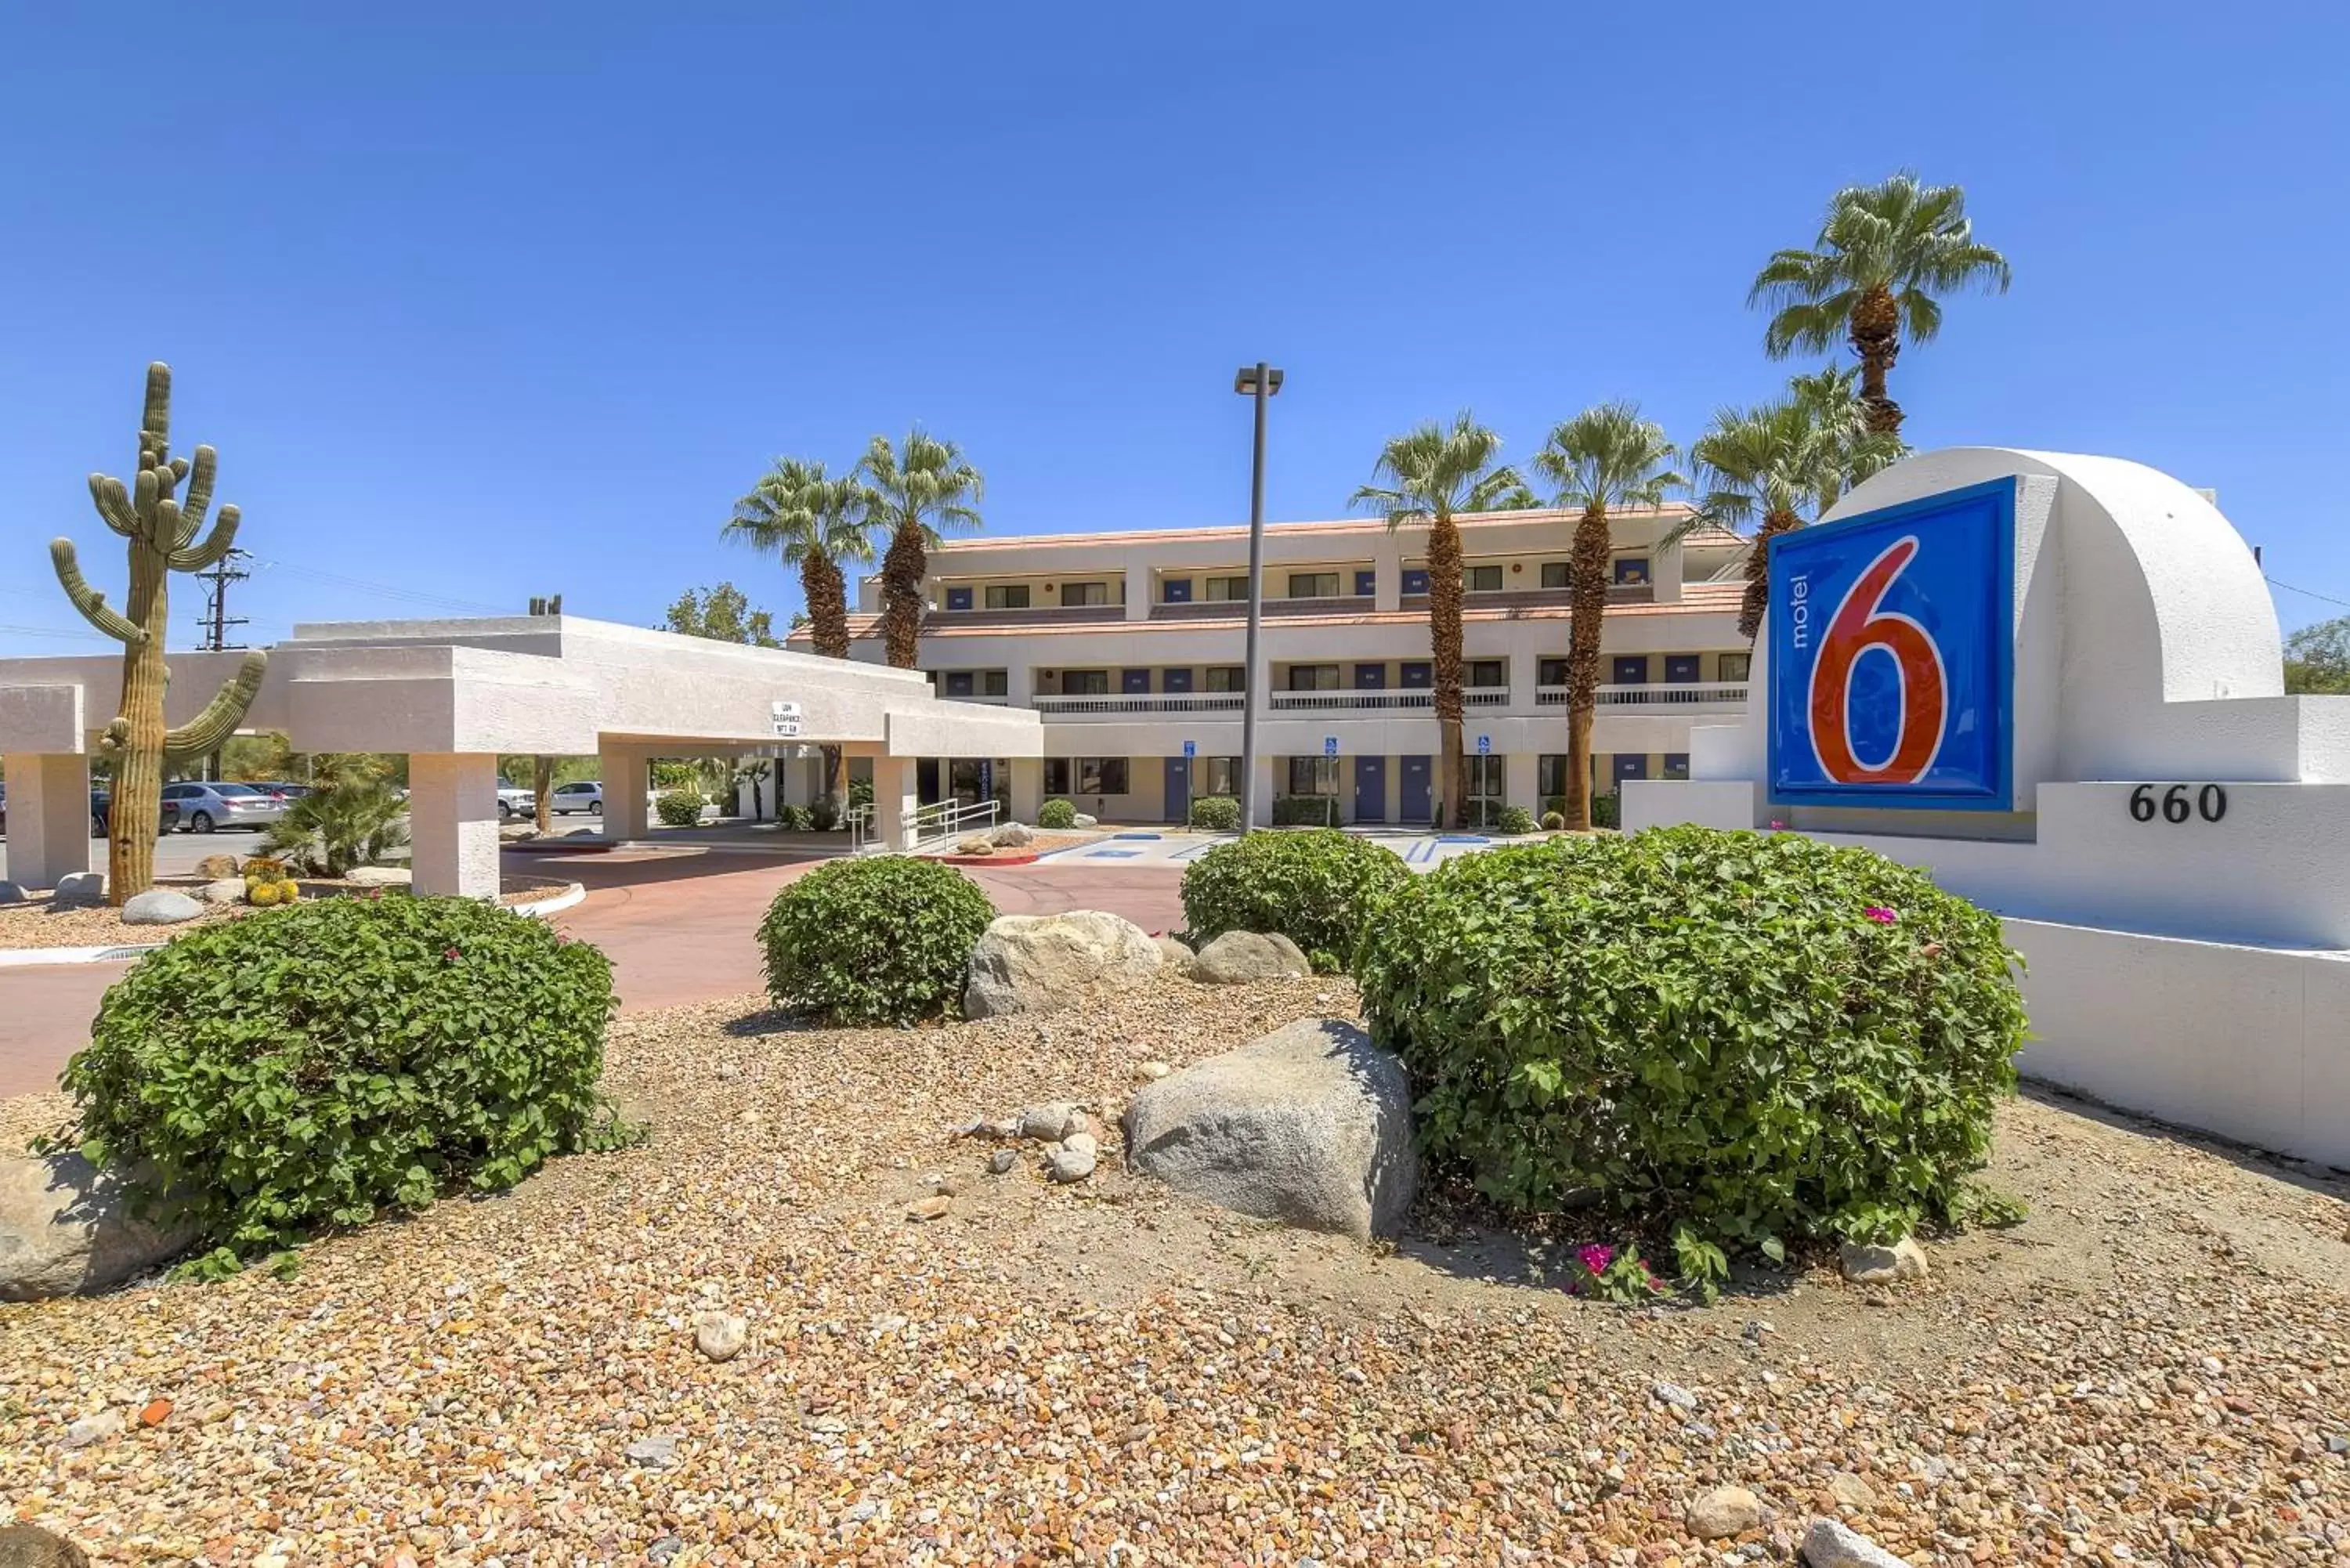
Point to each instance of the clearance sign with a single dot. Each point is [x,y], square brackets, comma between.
[1892,656]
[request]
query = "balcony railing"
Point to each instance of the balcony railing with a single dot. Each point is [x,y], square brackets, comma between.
[1656,696]
[1413,698]
[1663,696]
[1142,703]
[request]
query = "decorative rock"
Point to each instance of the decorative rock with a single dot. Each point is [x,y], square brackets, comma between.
[92,1430]
[213,867]
[719,1335]
[1067,1164]
[976,843]
[1013,836]
[10,894]
[661,1449]
[932,1208]
[1053,1121]
[1180,960]
[1831,1544]
[1041,963]
[1851,1491]
[1081,1143]
[381,877]
[159,907]
[30,1546]
[1724,1511]
[1083,820]
[66,1228]
[1002,1161]
[1239,957]
[1869,1265]
[1310,1124]
[1151,1072]
[1675,1395]
[223,890]
[80,890]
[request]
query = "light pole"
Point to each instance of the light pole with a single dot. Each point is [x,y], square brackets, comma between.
[1259,381]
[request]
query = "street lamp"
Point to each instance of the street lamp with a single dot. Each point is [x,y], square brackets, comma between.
[1259,381]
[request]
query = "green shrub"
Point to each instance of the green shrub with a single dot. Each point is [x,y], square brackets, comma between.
[795,819]
[1554,821]
[1317,887]
[353,818]
[1304,811]
[1516,820]
[303,1069]
[824,813]
[1758,1036]
[882,940]
[1216,814]
[1056,814]
[1607,810]
[679,807]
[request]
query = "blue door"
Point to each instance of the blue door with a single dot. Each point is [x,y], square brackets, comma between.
[1631,766]
[1418,804]
[1370,789]
[1680,668]
[1370,677]
[1179,789]
[1177,679]
[1632,669]
[1133,682]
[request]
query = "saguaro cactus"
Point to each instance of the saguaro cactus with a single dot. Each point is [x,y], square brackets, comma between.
[162,532]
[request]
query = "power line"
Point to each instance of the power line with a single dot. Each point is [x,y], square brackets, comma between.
[378,590]
[54,631]
[2310,592]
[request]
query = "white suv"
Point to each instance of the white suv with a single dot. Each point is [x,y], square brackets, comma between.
[513,801]
[586,795]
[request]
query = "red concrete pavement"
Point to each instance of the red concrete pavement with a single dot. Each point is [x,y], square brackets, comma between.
[678,925]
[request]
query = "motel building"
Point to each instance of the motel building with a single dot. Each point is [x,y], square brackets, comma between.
[1130,649]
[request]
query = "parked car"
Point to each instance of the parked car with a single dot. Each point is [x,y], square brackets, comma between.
[514,802]
[288,793]
[205,807]
[102,813]
[586,795]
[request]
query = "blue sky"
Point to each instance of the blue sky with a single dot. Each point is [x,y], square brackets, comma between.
[485,301]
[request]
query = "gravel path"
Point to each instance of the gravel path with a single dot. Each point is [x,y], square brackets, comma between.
[38,923]
[2154,1367]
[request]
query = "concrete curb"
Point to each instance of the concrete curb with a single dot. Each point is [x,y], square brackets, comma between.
[570,894]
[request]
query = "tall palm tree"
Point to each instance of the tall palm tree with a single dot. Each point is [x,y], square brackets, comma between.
[1606,459]
[1433,474]
[1775,460]
[808,521]
[1883,254]
[920,491]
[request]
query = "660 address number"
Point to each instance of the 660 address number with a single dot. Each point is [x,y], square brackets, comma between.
[2178,803]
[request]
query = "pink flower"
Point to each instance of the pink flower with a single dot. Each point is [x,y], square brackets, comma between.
[1777,825]
[1596,1258]
[1880,914]
[452,955]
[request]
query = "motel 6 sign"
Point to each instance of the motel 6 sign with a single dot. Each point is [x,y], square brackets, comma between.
[1893,655]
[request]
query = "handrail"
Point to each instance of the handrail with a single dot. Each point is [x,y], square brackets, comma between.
[1653,694]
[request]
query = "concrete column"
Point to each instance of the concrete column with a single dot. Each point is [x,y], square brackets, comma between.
[452,821]
[1028,788]
[48,817]
[1664,569]
[627,801]
[1263,791]
[1521,776]
[799,780]
[1387,558]
[1137,586]
[895,802]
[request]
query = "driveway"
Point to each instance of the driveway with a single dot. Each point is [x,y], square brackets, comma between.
[677,923]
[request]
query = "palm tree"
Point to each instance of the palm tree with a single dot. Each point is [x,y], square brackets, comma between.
[920,491]
[1604,459]
[1434,474]
[1884,252]
[1778,459]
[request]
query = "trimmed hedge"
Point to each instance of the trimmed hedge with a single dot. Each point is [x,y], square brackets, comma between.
[679,807]
[303,1069]
[1554,821]
[1216,814]
[1056,814]
[881,939]
[1304,811]
[1759,1037]
[1318,887]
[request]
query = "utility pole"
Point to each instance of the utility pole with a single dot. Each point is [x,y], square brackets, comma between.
[217,620]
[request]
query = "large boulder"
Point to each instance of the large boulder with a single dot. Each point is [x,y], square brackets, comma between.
[80,890]
[1310,1124]
[10,893]
[381,877]
[159,907]
[1041,963]
[66,1228]
[213,867]
[1012,835]
[226,890]
[1240,958]
[30,1546]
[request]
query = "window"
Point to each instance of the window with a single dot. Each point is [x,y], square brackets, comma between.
[957,598]
[1218,775]
[1175,591]
[1553,574]
[1631,571]
[1482,778]
[994,683]
[1007,595]
[957,683]
[1550,672]
[1550,774]
[1076,594]
[1734,666]
[1227,678]
[1314,776]
[1085,682]
[1676,765]
[1367,582]
[1232,588]
[1101,775]
[1057,775]
[1415,581]
[1481,579]
[1314,584]
[1484,672]
[1314,677]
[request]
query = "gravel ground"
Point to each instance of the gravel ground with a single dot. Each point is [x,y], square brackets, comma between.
[2154,1367]
[35,924]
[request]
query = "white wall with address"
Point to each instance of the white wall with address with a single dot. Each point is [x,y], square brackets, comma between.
[2055,682]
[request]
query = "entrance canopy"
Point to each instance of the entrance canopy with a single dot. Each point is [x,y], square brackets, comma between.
[454,694]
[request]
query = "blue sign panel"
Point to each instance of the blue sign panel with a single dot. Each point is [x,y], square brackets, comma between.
[1191,748]
[1893,655]
[1484,745]
[1329,745]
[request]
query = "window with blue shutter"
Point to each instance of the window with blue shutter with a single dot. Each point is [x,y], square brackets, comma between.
[1366,583]
[1415,582]
[957,598]
[1176,591]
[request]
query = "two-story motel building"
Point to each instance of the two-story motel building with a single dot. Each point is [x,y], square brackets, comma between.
[1130,647]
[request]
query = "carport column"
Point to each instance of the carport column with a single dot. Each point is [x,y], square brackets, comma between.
[453,818]
[1263,791]
[48,817]
[621,770]
[1521,781]
[1028,788]
[895,802]
[795,777]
